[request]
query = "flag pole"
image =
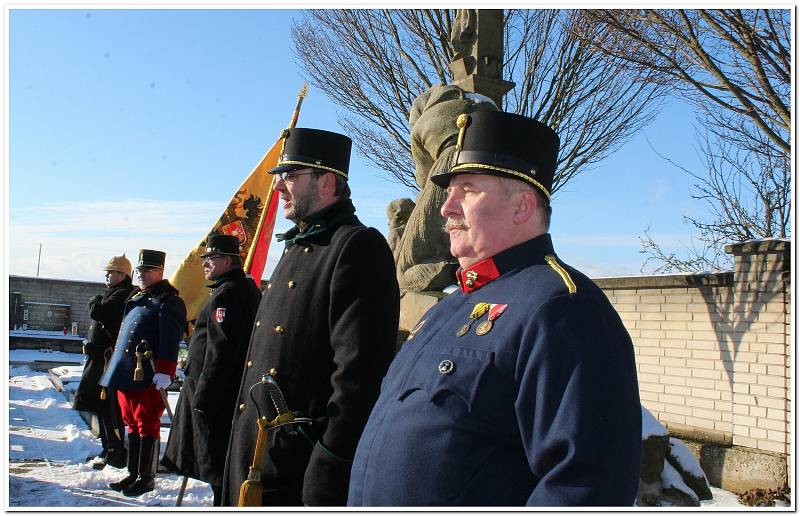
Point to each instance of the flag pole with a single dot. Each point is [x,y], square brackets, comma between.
[295,115]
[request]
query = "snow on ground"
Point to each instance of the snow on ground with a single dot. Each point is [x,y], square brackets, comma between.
[50,445]
[42,355]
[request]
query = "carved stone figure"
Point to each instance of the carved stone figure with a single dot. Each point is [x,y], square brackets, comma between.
[398,212]
[422,255]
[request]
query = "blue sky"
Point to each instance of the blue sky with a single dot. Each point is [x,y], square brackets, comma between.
[133,128]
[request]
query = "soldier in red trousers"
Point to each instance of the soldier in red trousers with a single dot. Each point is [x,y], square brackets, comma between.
[154,320]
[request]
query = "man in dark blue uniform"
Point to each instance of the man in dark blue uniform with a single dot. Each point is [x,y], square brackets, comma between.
[519,389]
[198,438]
[326,330]
[155,319]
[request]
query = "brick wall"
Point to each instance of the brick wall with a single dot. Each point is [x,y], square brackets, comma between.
[713,350]
[73,293]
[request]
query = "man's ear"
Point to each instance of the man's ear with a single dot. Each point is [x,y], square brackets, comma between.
[525,205]
[327,184]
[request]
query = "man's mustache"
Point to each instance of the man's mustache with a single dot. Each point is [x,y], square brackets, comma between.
[452,224]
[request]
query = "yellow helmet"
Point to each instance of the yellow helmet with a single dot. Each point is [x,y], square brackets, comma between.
[119,264]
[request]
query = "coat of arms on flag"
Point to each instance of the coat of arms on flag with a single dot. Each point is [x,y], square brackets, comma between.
[235,228]
[220,315]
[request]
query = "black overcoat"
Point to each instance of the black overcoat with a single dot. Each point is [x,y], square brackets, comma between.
[327,324]
[198,438]
[106,311]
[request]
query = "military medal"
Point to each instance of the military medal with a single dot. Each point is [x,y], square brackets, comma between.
[477,313]
[483,328]
[486,326]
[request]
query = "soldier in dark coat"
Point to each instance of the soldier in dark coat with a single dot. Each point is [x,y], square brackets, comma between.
[198,438]
[520,388]
[105,310]
[326,329]
[155,320]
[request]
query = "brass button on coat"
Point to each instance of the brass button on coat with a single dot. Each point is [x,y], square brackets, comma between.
[279,329]
[292,284]
[269,286]
[307,250]
[242,407]
[249,363]
[258,323]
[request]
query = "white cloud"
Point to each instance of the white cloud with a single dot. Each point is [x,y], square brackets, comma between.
[78,238]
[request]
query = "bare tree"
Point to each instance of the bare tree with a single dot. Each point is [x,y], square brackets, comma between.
[735,67]
[374,63]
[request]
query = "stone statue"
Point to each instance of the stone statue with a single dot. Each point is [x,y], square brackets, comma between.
[463,36]
[422,255]
[477,65]
[398,212]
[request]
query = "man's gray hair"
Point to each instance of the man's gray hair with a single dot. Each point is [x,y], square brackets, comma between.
[512,186]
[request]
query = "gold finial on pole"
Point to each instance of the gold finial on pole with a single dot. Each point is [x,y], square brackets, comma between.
[284,133]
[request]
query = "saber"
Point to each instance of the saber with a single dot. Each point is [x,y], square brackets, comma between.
[148,354]
[251,490]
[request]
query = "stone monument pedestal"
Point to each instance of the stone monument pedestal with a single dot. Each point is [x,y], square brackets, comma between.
[413,306]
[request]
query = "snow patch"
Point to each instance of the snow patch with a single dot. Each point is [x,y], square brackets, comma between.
[650,425]
[685,458]
[671,478]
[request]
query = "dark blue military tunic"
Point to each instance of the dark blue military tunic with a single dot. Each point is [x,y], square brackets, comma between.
[541,409]
[157,315]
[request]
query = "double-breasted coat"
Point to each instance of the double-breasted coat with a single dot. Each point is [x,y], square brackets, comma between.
[519,389]
[198,438]
[327,324]
[106,311]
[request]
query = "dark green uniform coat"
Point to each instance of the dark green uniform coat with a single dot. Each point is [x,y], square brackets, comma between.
[199,435]
[106,311]
[328,324]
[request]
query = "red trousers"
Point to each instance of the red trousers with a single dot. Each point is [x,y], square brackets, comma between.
[141,411]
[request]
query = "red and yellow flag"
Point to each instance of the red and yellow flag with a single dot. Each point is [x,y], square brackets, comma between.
[250,215]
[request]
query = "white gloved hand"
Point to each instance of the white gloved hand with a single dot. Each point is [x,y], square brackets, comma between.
[161,380]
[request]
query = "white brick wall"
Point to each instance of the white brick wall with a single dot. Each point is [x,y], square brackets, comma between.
[714,358]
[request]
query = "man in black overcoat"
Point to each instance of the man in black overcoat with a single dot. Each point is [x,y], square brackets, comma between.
[326,328]
[198,438]
[105,310]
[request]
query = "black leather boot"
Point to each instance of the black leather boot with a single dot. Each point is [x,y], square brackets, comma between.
[148,462]
[134,444]
[114,446]
[101,460]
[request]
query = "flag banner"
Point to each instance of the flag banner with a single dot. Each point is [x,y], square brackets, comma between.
[250,216]
[242,217]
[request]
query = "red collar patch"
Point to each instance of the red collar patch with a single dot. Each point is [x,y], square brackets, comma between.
[478,275]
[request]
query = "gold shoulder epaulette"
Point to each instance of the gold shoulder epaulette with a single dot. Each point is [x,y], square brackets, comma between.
[551,261]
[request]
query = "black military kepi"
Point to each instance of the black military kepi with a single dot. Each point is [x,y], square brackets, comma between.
[315,148]
[222,244]
[506,145]
[150,259]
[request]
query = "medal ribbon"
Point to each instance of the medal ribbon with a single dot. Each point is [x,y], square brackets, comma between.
[496,310]
[479,310]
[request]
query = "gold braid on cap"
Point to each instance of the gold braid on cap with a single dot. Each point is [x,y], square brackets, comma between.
[462,121]
[514,173]
[284,135]
[313,165]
